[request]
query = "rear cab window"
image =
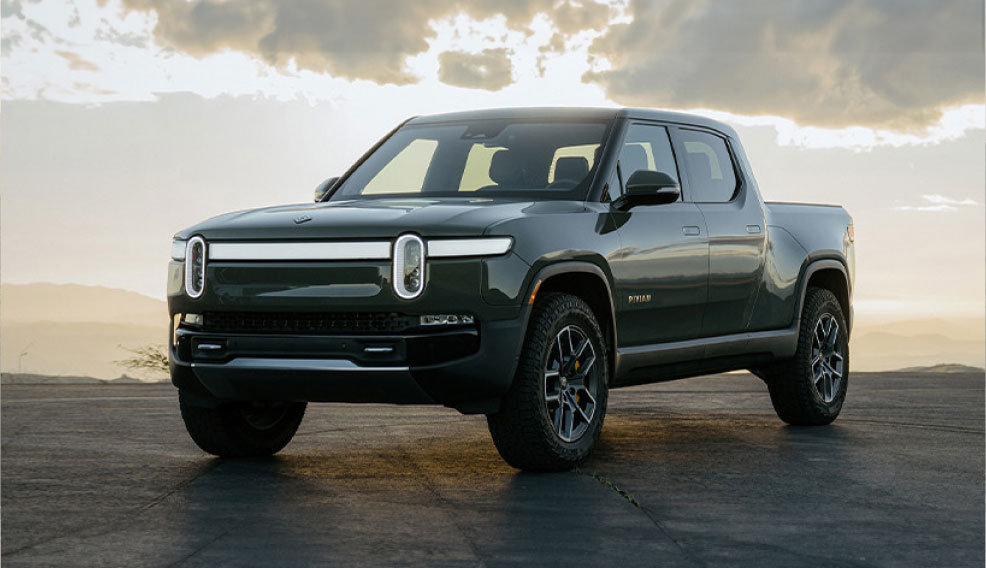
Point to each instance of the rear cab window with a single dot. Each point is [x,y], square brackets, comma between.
[711,175]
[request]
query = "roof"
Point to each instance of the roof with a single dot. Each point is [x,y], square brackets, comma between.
[576,113]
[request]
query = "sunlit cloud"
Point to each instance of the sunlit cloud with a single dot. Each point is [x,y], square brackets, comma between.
[884,65]
[939,203]
[458,55]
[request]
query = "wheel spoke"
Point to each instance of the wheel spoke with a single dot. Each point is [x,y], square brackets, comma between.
[581,349]
[582,413]
[833,334]
[569,423]
[584,370]
[559,414]
[817,374]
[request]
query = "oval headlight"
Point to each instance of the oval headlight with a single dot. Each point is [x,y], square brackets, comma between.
[195,256]
[409,266]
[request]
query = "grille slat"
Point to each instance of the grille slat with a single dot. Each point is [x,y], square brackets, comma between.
[320,323]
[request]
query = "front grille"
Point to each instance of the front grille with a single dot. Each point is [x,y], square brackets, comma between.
[325,323]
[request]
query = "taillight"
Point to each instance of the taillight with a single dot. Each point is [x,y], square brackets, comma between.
[852,233]
[195,257]
[409,266]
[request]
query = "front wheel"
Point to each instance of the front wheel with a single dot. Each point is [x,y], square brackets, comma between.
[553,413]
[241,429]
[810,388]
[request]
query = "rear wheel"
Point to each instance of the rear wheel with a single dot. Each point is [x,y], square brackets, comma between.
[241,429]
[553,413]
[811,388]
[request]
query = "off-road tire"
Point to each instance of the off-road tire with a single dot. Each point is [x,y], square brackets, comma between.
[522,430]
[224,431]
[795,398]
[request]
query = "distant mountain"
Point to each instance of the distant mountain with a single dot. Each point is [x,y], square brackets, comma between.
[879,351]
[69,329]
[67,303]
[31,379]
[943,369]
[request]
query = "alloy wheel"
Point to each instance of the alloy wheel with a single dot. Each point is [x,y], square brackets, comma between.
[571,383]
[827,360]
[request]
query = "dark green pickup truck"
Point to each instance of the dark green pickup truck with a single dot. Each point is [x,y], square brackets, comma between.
[517,263]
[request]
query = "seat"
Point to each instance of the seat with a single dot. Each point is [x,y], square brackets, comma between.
[506,170]
[573,168]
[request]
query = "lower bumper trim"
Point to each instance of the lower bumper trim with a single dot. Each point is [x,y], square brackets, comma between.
[272,364]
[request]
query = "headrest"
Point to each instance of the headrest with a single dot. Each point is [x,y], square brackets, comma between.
[632,159]
[572,168]
[506,168]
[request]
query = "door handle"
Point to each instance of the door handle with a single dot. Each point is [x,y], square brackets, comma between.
[753,229]
[691,230]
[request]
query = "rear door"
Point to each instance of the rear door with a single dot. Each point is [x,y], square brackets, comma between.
[662,270]
[736,231]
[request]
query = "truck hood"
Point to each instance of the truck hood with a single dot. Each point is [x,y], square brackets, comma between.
[371,219]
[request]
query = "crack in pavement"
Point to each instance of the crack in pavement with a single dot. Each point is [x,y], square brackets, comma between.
[629,498]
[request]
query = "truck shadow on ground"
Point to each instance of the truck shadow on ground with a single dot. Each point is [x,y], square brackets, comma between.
[404,499]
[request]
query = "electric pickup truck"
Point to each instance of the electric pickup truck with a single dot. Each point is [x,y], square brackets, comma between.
[517,263]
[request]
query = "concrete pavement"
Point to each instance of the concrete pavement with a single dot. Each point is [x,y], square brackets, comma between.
[691,473]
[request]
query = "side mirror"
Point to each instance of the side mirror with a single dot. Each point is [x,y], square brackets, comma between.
[647,187]
[324,188]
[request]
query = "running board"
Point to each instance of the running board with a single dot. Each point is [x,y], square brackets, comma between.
[742,348]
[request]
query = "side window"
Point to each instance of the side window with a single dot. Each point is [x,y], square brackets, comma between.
[711,178]
[647,147]
[406,172]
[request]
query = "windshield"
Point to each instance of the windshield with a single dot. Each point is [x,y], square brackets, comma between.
[482,158]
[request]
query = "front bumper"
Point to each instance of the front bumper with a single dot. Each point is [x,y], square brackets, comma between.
[468,369]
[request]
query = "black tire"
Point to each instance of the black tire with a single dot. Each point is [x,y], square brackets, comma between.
[796,396]
[241,429]
[523,432]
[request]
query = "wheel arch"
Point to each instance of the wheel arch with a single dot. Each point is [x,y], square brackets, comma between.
[588,282]
[832,275]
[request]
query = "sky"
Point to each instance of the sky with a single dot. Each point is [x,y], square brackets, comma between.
[123,121]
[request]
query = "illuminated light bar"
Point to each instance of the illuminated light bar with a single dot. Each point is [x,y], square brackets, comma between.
[444,248]
[358,250]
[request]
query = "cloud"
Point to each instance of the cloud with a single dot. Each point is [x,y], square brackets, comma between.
[489,69]
[888,64]
[367,39]
[939,203]
[942,200]
[76,62]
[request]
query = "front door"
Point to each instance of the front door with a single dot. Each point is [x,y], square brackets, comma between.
[662,270]
[737,233]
